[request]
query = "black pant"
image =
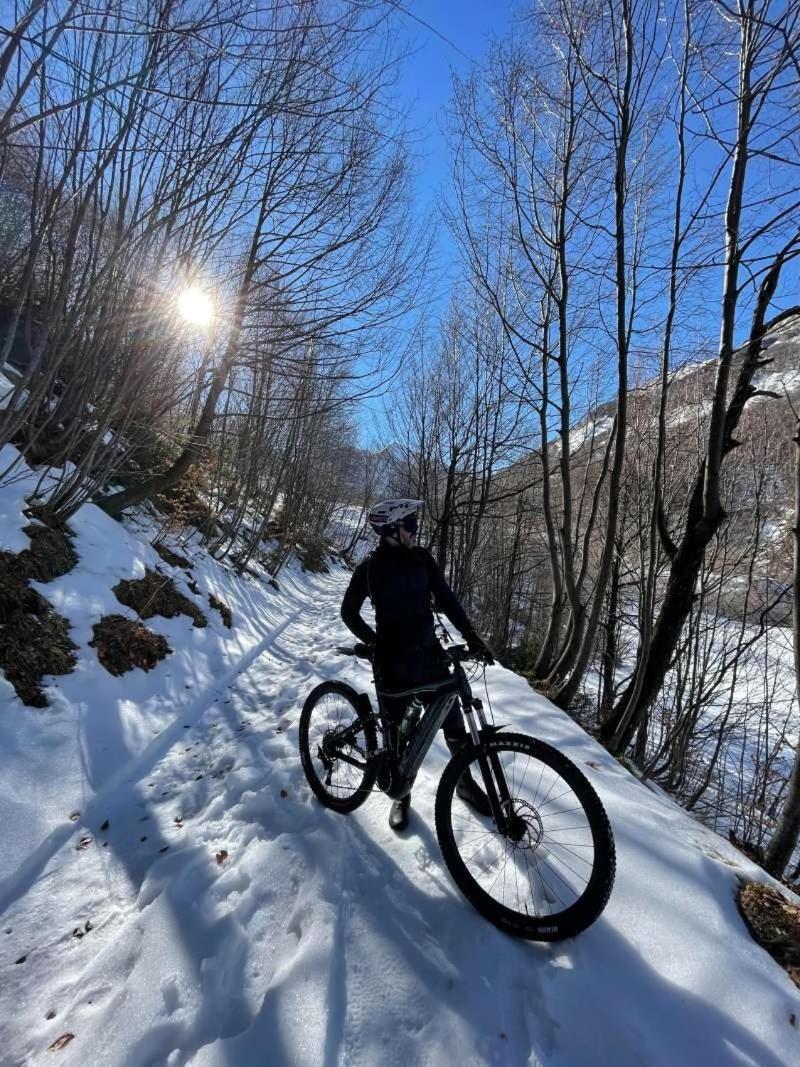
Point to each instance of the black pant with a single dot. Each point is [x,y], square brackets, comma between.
[408,668]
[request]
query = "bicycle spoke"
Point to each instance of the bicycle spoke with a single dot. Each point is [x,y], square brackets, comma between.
[545,868]
[548,870]
[546,884]
[330,717]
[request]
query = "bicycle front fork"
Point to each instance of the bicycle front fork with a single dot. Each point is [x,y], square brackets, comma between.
[494,778]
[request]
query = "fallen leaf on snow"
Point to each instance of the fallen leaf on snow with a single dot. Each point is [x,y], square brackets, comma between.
[61,1042]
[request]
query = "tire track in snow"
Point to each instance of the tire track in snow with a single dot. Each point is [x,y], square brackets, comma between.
[117,938]
[11,888]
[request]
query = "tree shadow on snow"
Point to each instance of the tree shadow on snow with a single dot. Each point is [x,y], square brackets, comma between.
[594,999]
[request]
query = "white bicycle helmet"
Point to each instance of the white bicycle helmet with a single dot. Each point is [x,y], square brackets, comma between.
[385,517]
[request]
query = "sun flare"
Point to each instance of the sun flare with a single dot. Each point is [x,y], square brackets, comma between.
[195,306]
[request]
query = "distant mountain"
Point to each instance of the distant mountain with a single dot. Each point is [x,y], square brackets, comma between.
[765,454]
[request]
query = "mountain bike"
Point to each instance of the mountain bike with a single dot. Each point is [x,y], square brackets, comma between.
[541,867]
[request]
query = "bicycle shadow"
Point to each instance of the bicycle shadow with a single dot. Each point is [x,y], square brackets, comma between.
[421,943]
[595,999]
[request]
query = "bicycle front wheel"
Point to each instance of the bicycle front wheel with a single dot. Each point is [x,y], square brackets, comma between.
[550,874]
[337,740]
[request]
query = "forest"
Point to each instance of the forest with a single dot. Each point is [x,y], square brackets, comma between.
[212,264]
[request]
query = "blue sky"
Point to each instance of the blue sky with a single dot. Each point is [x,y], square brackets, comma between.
[425,82]
[424,89]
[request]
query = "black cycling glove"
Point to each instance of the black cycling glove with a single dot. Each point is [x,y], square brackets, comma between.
[479,649]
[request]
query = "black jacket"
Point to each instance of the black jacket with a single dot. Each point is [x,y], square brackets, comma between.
[402,583]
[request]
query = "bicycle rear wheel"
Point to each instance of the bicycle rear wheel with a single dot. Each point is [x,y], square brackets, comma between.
[550,874]
[337,739]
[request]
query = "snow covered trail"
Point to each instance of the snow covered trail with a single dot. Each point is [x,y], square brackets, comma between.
[205,910]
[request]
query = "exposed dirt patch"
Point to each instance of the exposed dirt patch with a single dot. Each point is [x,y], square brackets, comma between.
[123,644]
[774,923]
[183,505]
[51,554]
[157,594]
[222,608]
[34,639]
[175,559]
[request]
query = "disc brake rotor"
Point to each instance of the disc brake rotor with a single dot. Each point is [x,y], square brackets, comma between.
[525,827]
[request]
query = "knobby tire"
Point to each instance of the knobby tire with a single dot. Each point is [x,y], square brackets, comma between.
[588,906]
[358,711]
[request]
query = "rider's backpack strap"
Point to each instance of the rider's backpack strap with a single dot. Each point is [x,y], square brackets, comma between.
[369,584]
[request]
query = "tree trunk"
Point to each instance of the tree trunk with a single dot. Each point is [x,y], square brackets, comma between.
[784,840]
[194,449]
[609,657]
[619,727]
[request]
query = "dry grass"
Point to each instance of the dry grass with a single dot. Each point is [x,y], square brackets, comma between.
[774,923]
[157,594]
[174,559]
[51,554]
[222,608]
[123,644]
[313,557]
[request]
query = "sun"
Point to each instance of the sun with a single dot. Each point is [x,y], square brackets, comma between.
[195,306]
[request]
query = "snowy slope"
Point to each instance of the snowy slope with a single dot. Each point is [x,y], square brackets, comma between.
[223,917]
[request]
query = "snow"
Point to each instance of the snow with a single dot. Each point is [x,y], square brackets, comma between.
[589,432]
[6,387]
[775,531]
[694,412]
[346,521]
[226,918]
[780,382]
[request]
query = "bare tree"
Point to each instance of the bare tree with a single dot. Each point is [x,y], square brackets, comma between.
[784,840]
[758,244]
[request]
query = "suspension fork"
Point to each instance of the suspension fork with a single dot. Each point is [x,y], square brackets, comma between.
[494,778]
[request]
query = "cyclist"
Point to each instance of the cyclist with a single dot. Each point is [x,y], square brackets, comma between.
[401,580]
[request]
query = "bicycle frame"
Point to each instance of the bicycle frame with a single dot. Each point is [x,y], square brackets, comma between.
[455,688]
[402,774]
[421,740]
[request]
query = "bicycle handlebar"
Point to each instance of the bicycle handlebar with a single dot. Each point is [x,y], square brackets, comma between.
[456,653]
